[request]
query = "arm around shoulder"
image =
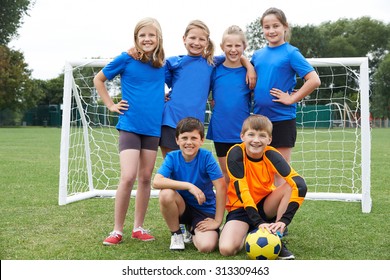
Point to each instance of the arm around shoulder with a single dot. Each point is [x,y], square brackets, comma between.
[251,76]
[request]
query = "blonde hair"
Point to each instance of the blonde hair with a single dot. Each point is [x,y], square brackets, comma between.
[257,122]
[209,51]
[158,56]
[235,30]
[279,14]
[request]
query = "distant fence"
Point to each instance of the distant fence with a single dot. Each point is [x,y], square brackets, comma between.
[44,115]
[380,123]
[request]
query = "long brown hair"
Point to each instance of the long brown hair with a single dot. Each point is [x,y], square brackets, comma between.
[158,56]
[279,14]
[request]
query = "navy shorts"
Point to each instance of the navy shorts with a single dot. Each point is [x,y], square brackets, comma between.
[221,149]
[284,134]
[192,216]
[168,138]
[241,215]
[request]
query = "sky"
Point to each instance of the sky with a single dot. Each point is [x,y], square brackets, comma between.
[70,30]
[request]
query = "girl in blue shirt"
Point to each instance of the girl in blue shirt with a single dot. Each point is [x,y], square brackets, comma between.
[276,66]
[231,96]
[140,115]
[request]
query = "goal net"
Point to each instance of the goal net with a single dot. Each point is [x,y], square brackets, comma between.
[332,150]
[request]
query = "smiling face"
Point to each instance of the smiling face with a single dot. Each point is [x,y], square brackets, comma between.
[147,39]
[274,31]
[196,41]
[255,142]
[189,144]
[233,47]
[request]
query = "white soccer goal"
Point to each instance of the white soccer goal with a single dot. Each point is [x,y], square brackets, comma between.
[332,150]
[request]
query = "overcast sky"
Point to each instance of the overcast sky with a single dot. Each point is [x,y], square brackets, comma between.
[66,30]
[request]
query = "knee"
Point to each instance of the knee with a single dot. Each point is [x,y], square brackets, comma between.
[206,248]
[144,179]
[166,196]
[227,250]
[206,245]
[127,181]
[144,182]
[286,190]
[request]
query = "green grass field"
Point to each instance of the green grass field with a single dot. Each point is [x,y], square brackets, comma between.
[35,227]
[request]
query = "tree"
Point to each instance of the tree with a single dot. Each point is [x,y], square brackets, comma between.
[11,14]
[360,37]
[254,35]
[18,92]
[381,93]
[53,90]
[308,39]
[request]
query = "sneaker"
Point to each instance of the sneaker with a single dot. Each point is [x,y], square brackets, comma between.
[177,242]
[285,254]
[113,239]
[187,237]
[142,234]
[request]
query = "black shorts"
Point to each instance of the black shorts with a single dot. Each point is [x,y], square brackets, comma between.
[241,215]
[192,216]
[284,134]
[134,141]
[221,149]
[168,138]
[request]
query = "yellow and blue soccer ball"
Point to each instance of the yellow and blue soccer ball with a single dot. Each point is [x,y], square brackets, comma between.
[262,245]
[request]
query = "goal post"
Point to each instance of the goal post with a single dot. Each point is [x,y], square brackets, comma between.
[332,150]
[72,100]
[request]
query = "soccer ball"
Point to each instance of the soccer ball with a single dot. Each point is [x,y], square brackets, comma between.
[262,245]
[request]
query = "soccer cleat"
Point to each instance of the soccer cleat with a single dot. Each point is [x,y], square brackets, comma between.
[177,242]
[113,239]
[285,254]
[142,234]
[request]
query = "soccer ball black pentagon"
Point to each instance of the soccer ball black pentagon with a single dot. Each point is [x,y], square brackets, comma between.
[262,245]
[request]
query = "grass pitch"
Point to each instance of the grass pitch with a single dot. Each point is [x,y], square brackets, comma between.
[34,227]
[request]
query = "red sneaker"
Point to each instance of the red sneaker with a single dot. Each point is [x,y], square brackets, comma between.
[113,239]
[142,234]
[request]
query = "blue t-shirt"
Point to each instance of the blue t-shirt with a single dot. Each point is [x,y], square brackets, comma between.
[276,67]
[188,77]
[143,88]
[232,98]
[201,171]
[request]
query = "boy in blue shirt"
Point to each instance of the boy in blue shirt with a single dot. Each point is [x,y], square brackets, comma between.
[186,180]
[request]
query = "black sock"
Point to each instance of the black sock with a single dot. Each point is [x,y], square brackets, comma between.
[177,232]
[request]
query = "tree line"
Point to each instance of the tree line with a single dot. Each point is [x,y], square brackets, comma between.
[362,37]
